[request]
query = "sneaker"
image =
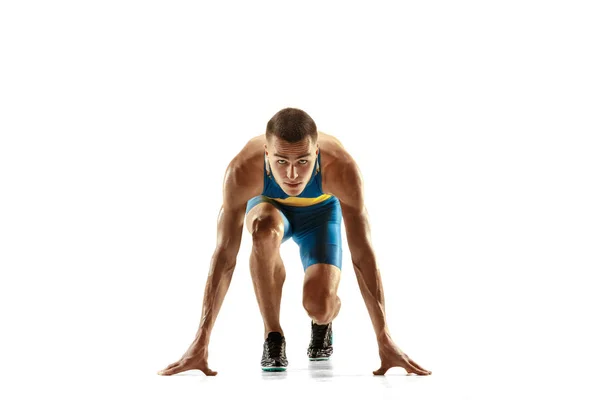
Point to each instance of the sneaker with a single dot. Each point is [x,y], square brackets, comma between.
[321,342]
[274,358]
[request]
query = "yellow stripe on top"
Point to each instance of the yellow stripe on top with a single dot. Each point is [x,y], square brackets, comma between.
[302,201]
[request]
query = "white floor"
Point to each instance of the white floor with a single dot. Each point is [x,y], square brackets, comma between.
[351,380]
[304,380]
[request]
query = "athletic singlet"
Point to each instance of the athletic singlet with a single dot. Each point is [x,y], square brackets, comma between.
[312,193]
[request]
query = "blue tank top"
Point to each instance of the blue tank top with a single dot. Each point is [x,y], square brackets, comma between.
[312,193]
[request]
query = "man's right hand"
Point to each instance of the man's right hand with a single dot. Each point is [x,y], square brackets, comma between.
[194,358]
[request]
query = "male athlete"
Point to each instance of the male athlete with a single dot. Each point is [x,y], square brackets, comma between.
[294,182]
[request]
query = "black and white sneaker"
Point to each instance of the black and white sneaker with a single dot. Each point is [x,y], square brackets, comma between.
[321,342]
[274,358]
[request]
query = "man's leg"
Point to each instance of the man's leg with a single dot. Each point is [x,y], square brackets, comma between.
[266,225]
[318,234]
[320,240]
[322,304]
[320,299]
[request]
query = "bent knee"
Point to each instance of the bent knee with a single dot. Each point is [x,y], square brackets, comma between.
[320,307]
[267,227]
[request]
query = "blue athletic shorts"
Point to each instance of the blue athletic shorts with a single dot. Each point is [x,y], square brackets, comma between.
[316,229]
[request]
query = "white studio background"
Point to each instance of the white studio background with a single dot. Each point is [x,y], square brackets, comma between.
[475,126]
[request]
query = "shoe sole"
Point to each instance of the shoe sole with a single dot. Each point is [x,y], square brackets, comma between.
[273,369]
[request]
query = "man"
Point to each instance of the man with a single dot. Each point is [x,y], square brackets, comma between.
[294,182]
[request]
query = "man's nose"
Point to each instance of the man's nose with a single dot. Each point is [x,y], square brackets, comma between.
[292,173]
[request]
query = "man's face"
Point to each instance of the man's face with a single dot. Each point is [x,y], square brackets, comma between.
[291,163]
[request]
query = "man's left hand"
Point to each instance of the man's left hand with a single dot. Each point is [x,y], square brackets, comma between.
[392,356]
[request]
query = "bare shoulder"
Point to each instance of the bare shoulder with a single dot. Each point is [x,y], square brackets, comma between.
[327,137]
[332,150]
[244,174]
[341,174]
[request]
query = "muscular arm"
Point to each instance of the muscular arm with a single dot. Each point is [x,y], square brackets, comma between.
[237,189]
[230,225]
[222,264]
[347,186]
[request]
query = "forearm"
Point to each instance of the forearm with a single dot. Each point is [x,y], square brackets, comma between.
[217,284]
[371,288]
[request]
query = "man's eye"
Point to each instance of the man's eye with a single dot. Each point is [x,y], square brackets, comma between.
[281,161]
[303,161]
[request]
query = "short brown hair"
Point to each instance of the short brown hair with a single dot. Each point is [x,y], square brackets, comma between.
[292,125]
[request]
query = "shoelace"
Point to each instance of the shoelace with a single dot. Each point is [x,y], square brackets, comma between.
[275,348]
[319,332]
